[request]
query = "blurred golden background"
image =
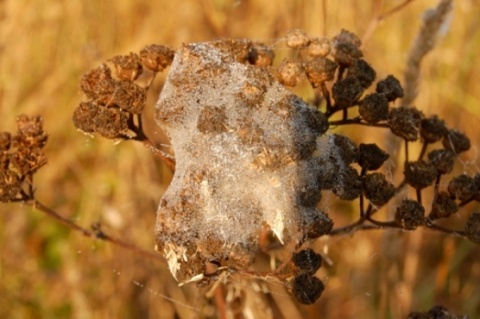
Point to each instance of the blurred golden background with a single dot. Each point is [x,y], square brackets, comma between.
[49,271]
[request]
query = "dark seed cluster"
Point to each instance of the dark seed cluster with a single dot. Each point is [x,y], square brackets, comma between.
[115,101]
[437,312]
[21,155]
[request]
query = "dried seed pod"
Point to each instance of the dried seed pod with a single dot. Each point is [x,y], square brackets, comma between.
[156,57]
[318,47]
[289,72]
[442,160]
[130,97]
[307,261]
[84,116]
[472,227]
[26,161]
[390,87]
[462,187]
[420,174]
[410,214]
[261,55]
[443,206]
[297,39]
[111,123]
[371,156]
[348,185]
[377,189]
[346,150]
[317,224]
[374,108]
[432,129]
[363,72]
[127,67]
[30,132]
[346,92]
[346,48]
[98,84]
[405,122]
[456,141]
[307,289]
[10,186]
[320,70]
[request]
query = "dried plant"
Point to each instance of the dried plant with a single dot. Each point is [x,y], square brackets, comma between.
[252,158]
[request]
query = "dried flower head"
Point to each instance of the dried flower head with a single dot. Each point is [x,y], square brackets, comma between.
[371,156]
[10,185]
[377,189]
[409,214]
[432,129]
[98,84]
[462,187]
[443,206]
[307,261]
[390,87]
[346,48]
[346,92]
[348,185]
[156,57]
[456,141]
[363,72]
[442,159]
[5,141]
[420,174]
[318,47]
[127,67]
[405,122]
[374,108]
[297,39]
[320,70]
[290,72]
[307,289]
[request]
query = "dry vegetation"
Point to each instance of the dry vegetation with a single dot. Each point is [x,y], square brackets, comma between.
[49,271]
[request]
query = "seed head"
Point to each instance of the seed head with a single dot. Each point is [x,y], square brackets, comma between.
[346,92]
[318,47]
[409,214]
[10,186]
[345,148]
[156,57]
[442,160]
[289,72]
[420,174]
[390,87]
[374,108]
[371,156]
[377,189]
[307,261]
[462,187]
[320,70]
[297,39]
[443,206]
[405,122]
[130,97]
[432,129]
[456,141]
[98,84]
[307,289]
[348,184]
[127,67]
[346,48]
[317,224]
[363,72]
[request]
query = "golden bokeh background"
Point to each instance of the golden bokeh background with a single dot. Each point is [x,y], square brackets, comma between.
[49,271]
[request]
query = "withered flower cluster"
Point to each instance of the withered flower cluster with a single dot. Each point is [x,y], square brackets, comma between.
[115,102]
[340,77]
[21,155]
